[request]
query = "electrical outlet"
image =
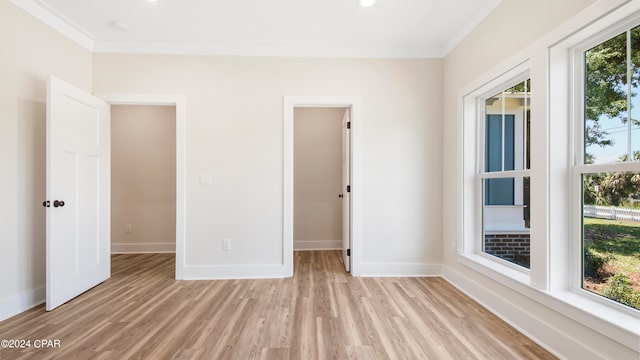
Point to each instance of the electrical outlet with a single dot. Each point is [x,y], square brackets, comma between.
[226,244]
[128,229]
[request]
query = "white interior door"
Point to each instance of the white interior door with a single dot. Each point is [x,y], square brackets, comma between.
[346,187]
[78,192]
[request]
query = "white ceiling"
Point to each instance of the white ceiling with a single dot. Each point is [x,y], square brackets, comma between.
[341,28]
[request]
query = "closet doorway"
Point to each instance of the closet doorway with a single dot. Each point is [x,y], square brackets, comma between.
[143,179]
[347,197]
[322,179]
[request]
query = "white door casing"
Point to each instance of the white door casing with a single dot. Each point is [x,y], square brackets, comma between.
[346,183]
[79,175]
[355,105]
[182,271]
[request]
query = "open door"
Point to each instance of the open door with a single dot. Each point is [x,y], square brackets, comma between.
[346,188]
[78,192]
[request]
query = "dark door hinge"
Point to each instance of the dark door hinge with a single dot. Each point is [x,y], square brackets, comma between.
[348,124]
[348,188]
[348,252]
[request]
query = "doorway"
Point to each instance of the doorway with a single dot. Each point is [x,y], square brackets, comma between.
[319,173]
[78,235]
[143,179]
[179,102]
[352,246]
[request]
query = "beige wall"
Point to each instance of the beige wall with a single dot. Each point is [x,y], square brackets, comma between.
[143,178]
[234,132]
[29,52]
[317,177]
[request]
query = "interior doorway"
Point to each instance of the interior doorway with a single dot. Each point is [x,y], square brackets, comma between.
[78,236]
[143,179]
[321,180]
[351,188]
[179,102]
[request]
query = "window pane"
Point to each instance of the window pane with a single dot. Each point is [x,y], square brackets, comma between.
[499,191]
[506,226]
[611,236]
[606,130]
[635,89]
[507,129]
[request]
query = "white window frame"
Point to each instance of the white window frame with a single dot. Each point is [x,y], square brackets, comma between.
[564,205]
[470,246]
[579,168]
[553,255]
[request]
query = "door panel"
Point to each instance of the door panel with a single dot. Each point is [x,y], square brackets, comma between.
[78,173]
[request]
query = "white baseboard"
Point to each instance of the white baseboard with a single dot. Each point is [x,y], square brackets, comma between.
[399,270]
[301,245]
[559,343]
[126,248]
[14,305]
[232,272]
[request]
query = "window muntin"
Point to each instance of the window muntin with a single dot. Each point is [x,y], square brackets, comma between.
[505,176]
[610,177]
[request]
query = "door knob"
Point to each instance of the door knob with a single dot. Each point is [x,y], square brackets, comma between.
[46,203]
[57,203]
[341,196]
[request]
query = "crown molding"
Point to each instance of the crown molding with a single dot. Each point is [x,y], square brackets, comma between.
[273,50]
[471,24]
[76,33]
[57,21]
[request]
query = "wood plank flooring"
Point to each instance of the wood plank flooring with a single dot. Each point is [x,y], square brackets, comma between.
[320,313]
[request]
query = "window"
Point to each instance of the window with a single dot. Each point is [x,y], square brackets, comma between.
[583,155]
[505,174]
[608,170]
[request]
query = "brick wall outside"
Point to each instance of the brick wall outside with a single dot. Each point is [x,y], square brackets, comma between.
[515,248]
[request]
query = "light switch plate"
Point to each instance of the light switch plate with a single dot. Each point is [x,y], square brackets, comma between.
[206,180]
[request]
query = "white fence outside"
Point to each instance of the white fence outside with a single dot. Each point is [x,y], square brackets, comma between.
[611,212]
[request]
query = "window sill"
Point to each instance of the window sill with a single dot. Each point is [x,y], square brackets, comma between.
[502,271]
[506,206]
[597,314]
[508,232]
[592,313]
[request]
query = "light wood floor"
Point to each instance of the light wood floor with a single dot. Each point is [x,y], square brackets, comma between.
[320,313]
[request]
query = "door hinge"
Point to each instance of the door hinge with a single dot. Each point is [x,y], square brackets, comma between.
[348,188]
[348,252]
[348,124]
